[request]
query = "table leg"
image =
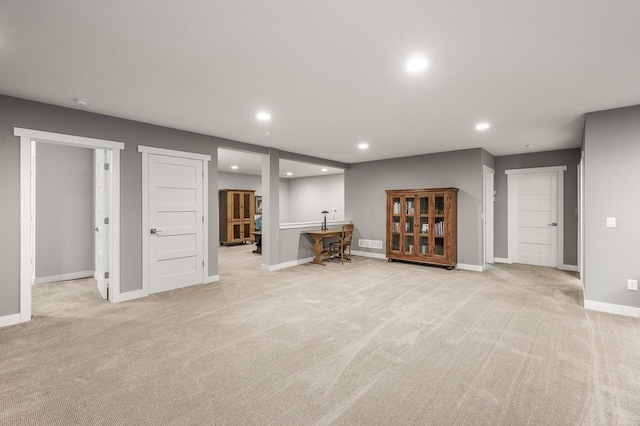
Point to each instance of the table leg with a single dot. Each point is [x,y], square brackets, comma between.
[317,249]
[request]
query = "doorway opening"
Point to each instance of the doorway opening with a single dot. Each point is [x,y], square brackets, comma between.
[28,153]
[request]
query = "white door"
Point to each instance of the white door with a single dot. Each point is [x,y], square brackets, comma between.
[101,192]
[175,237]
[536,218]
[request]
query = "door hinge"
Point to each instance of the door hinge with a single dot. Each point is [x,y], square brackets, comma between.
[106,166]
[203,173]
[202,219]
[203,263]
[106,275]
[106,220]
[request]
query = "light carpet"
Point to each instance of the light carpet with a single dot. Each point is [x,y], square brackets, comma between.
[366,343]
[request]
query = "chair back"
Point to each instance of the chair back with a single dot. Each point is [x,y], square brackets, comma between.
[347,232]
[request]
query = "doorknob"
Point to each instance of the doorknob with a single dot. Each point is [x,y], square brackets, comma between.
[553,224]
[96,228]
[153,231]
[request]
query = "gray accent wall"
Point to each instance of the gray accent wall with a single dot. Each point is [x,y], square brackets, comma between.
[64,210]
[365,197]
[309,196]
[612,181]
[16,112]
[565,157]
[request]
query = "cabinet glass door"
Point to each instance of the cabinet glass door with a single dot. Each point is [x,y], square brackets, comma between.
[395,224]
[439,230]
[246,211]
[423,225]
[235,206]
[409,225]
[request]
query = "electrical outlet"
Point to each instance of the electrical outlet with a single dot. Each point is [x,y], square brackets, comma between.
[632,285]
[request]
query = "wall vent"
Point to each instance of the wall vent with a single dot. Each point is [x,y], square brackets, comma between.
[370,244]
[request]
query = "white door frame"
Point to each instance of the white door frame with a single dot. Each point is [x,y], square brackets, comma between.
[488,176]
[28,138]
[512,209]
[146,150]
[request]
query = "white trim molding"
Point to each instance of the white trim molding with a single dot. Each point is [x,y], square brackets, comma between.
[572,268]
[610,308]
[8,320]
[28,138]
[64,277]
[502,260]
[130,295]
[290,264]
[369,254]
[212,279]
[301,225]
[536,170]
[467,267]
[173,153]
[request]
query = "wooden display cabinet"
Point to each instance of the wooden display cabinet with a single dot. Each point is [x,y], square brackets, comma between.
[237,207]
[422,225]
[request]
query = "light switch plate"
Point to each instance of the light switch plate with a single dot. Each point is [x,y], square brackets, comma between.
[611,222]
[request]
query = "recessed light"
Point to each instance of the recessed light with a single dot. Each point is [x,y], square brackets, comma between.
[325,170]
[482,126]
[234,167]
[416,64]
[289,174]
[263,116]
[81,102]
[529,145]
[363,145]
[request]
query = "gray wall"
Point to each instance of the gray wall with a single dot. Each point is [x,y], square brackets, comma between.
[565,157]
[612,177]
[488,159]
[33,115]
[365,197]
[309,196]
[64,210]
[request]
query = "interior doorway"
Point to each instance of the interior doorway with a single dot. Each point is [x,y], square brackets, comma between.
[28,157]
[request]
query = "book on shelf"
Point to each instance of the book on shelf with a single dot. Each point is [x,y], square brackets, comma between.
[425,228]
[396,207]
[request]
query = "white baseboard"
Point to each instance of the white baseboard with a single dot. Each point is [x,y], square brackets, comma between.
[284,265]
[610,308]
[572,268]
[467,267]
[130,295]
[9,320]
[501,260]
[64,277]
[369,254]
[212,279]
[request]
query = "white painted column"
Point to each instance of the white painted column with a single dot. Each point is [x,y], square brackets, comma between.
[271,210]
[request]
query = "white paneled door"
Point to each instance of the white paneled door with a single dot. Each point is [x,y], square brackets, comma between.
[536,217]
[175,235]
[101,220]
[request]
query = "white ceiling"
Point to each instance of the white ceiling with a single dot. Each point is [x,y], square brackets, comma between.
[331,73]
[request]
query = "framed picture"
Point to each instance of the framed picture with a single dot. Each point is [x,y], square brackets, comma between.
[258,204]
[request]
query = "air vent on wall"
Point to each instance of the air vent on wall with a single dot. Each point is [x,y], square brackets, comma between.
[370,244]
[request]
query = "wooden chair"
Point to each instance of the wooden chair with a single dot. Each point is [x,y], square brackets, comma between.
[342,247]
